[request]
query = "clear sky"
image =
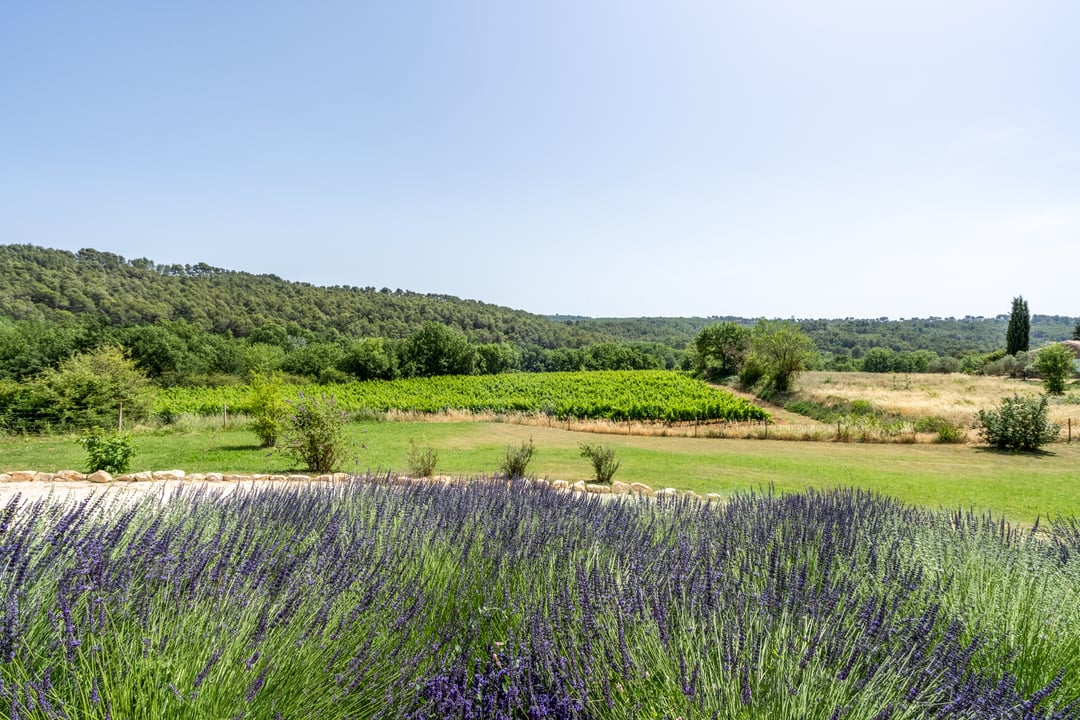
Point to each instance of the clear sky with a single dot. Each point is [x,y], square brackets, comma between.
[834,158]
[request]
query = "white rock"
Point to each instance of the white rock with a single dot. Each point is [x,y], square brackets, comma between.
[99,477]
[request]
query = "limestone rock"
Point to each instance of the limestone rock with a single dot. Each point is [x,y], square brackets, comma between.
[100,477]
[213,477]
[44,477]
[70,475]
[560,485]
[169,475]
[22,475]
[5,477]
[714,497]
[641,489]
[598,489]
[667,492]
[233,478]
[620,488]
[299,478]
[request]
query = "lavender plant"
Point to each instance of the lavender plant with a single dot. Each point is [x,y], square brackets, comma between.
[371,599]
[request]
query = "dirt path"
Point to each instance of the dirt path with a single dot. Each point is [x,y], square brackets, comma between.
[780,416]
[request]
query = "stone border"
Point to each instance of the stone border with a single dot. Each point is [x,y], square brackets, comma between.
[101,477]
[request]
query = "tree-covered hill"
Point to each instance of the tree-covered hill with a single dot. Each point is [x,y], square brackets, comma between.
[45,284]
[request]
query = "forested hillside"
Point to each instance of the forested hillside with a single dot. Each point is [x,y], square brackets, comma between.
[44,284]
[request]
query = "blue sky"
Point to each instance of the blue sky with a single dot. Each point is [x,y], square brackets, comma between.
[901,158]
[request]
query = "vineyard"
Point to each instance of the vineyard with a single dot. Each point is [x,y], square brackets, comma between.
[640,396]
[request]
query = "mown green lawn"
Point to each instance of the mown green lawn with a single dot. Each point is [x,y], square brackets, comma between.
[1019,486]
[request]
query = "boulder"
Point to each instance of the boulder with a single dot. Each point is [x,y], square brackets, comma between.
[5,477]
[299,478]
[620,488]
[691,495]
[714,497]
[169,475]
[233,478]
[44,477]
[100,477]
[598,489]
[327,478]
[641,489]
[213,477]
[70,475]
[579,486]
[667,492]
[22,475]
[560,485]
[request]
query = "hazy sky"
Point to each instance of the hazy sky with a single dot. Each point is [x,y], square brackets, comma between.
[900,158]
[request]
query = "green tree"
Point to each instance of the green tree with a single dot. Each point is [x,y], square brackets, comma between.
[1056,364]
[267,406]
[436,349]
[719,350]
[370,359]
[495,358]
[783,351]
[88,390]
[1018,334]
[1076,331]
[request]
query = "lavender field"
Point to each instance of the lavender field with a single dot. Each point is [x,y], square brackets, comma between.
[487,599]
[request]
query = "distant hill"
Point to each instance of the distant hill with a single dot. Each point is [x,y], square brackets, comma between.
[44,284]
[56,285]
[848,336]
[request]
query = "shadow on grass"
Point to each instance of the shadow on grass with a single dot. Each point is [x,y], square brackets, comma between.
[1015,453]
[243,448]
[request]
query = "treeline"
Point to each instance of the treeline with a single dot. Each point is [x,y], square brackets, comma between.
[845,343]
[172,353]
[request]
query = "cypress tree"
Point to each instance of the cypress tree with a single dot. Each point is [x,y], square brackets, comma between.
[1018,336]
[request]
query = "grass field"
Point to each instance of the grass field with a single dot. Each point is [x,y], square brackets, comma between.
[955,397]
[1019,486]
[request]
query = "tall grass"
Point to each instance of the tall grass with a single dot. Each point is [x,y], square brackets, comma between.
[497,599]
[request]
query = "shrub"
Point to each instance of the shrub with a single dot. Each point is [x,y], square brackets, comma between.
[603,461]
[109,452]
[421,460]
[86,391]
[1055,364]
[314,433]
[516,460]
[1018,423]
[267,407]
[751,373]
[946,431]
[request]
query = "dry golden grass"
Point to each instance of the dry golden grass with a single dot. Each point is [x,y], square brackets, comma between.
[955,397]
